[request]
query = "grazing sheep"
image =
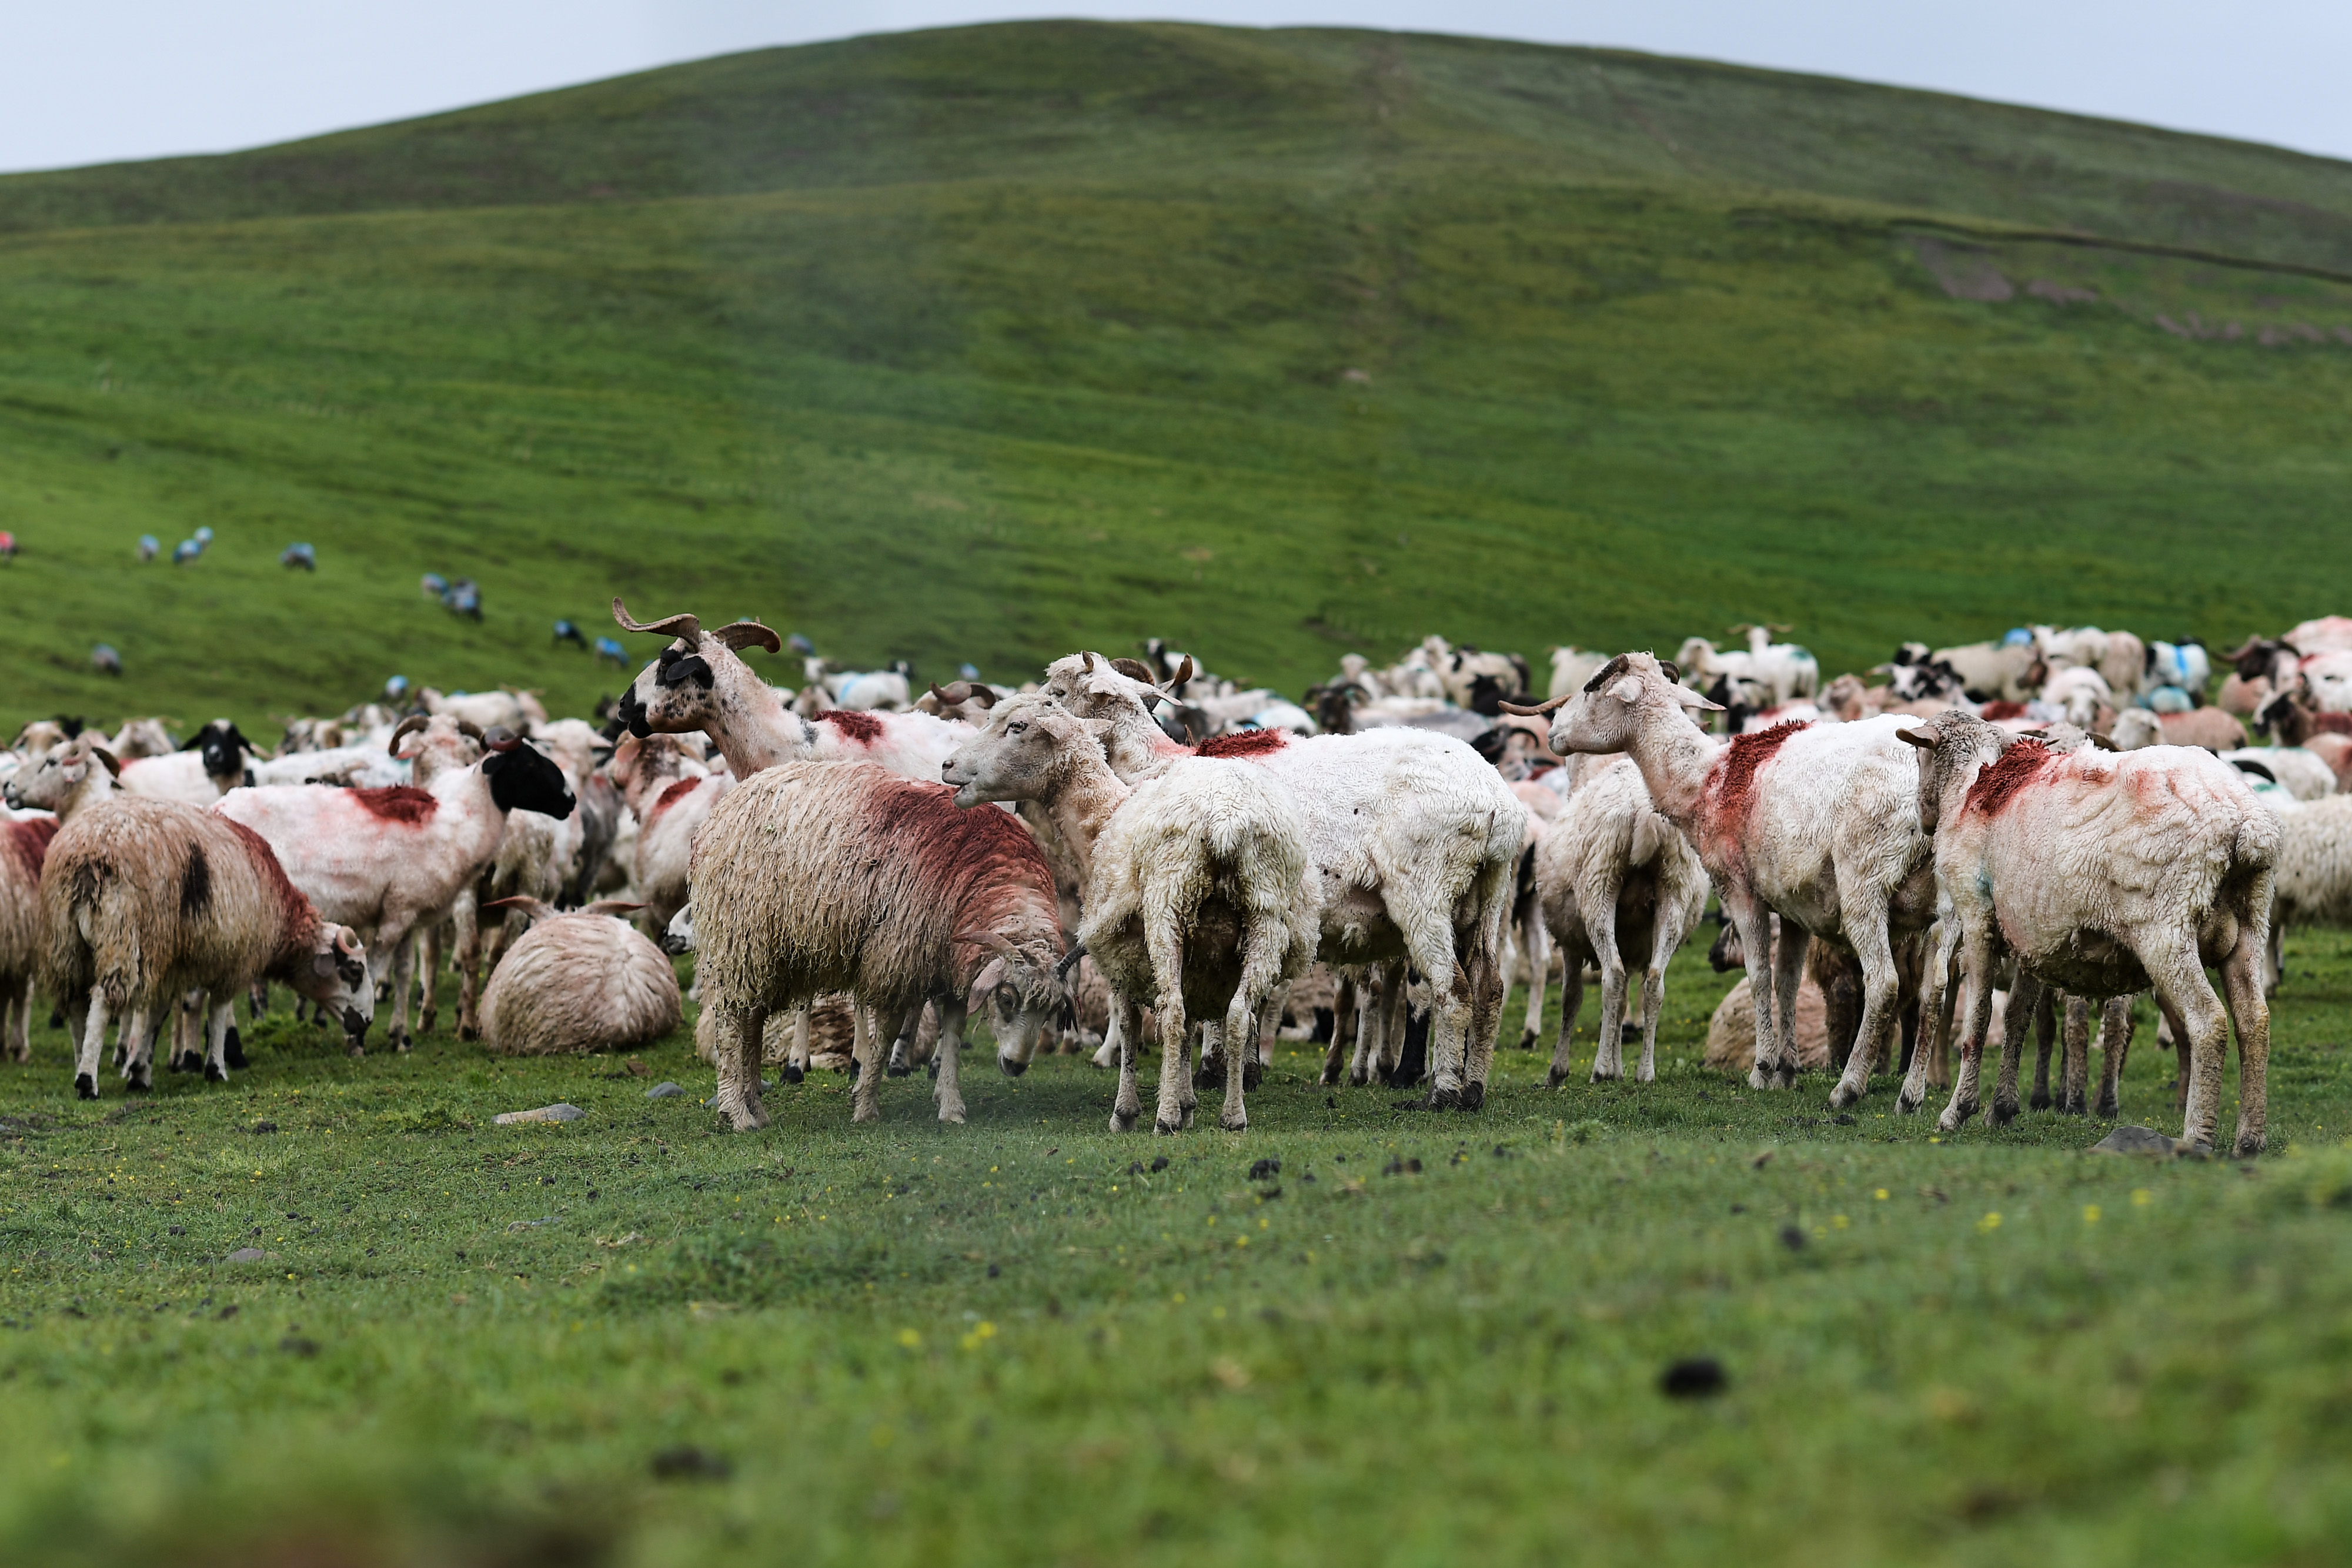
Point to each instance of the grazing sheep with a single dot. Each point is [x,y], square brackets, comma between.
[2078,692]
[144,900]
[2006,670]
[212,765]
[1415,839]
[579,982]
[2302,774]
[1197,904]
[1620,884]
[1820,825]
[1571,668]
[506,708]
[832,876]
[2104,874]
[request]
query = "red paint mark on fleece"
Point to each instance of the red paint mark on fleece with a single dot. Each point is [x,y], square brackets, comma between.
[301,920]
[28,843]
[980,864]
[680,789]
[862,728]
[401,803]
[2332,722]
[1999,784]
[1733,784]
[1244,743]
[1993,713]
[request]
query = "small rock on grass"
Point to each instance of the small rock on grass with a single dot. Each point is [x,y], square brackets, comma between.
[561,1111]
[247,1255]
[687,1463]
[664,1091]
[2145,1141]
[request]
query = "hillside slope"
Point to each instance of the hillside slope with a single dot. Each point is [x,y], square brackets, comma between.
[985,344]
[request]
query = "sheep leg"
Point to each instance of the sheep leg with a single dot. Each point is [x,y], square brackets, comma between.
[217,1042]
[1269,1020]
[92,1045]
[1936,994]
[468,916]
[2242,982]
[1262,951]
[1665,936]
[1979,970]
[428,976]
[797,1058]
[1115,1041]
[866,1050]
[2274,959]
[2074,1088]
[902,1047]
[138,1048]
[1571,1002]
[1487,991]
[2024,1001]
[1429,940]
[404,974]
[1371,1021]
[1535,942]
[19,1022]
[1124,1029]
[1397,1044]
[2115,1045]
[1175,1075]
[2176,1033]
[1754,924]
[2180,980]
[1609,1049]
[1881,985]
[736,1042]
[2045,1034]
[949,1090]
[1343,1021]
[1788,977]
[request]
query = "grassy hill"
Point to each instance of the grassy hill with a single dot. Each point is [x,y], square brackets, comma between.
[990,343]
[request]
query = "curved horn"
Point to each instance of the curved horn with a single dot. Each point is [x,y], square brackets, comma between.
[611,907]
[736,636]
[985,695]
[1674,672]
[501,738]
[108,758]
[1540,709]
[685,626]
[1183,674]
[531,906]
[1089,659]
[1740,630]
[948,696]
[348,941]
[404,729]
[471,731]
[993,940]
[1069,962]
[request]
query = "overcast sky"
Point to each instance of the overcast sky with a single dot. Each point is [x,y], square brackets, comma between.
[106,79]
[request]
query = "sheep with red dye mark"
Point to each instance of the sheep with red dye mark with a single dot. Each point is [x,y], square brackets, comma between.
[391,861]
[23,846]
[671,795]
[578,982]
[1413,841]
[1620,884]
[143,901]
[2102,874]
[1818,824]
[701,683]
[812,877]
[1196,901]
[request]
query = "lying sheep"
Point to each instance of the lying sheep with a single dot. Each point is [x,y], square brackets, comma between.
[840,876]
[578,982]
[144,900]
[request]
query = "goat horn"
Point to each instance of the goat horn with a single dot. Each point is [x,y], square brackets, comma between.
[535,908]
[736,635]
[1090,661]
[993,940]
[1674,672]
[611,907]
[1183,674]
[406,726]
[1539,710]
[347,940]
[1740,630]
[1069,962]
[470,730]
[685,626]
[501,738]
[985,695]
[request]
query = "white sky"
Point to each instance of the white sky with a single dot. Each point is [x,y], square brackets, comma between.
[106,79]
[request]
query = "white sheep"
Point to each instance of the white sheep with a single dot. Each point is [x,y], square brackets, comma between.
[1620,884]
[577,982]
[1818,824]
[1197,904]
[2104,874]
[212,765]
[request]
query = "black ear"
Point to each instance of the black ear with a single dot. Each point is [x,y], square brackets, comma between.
[688,668]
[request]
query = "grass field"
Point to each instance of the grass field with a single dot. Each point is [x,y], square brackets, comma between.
[1010,1342]
[994,343]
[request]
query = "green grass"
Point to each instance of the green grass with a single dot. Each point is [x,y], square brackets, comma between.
[1002,1343]
[987,344]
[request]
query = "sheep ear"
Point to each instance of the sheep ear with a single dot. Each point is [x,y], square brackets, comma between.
[991,974]
[108,758]
[1683,694]
[1924,739]
[611,907]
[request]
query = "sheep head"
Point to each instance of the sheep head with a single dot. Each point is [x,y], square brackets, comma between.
[58,776]
[1018,991]
[1028,749]
[334,973]
[1954,748]
[687,686]
[1609,711]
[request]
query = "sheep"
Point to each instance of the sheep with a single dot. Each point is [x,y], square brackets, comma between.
[701,683]
[578,982]
[212,765]
[1197,901]
[506,708]
[1416,841]
[140,737]
[967,701]
[1764,674]
[2104,874]
[2206,726]
[1915,674]
[143,900]
[385,860]
[2300,773]
[1571,668]
[671,796]
[2078,692]
[366,765]
[1619,883]
[1818,824]
[67,778]
[812,877]
[23,846]
[2181,666]
[2006,670]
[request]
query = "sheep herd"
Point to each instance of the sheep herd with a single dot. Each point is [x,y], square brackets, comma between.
[1128,850]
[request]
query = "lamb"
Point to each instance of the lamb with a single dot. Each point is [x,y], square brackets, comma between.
[1197,902]
[389,861]
[1416,841]
[143,737]
[212,765]
[578,982]
[2103,874]
[841,876]
[1818,824]
[701,683]
[143,900]
[1619,883]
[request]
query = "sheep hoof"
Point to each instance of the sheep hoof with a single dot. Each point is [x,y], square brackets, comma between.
[1164,1127]
[931,1068]
[1357,1079]
[951,1117]
[2039,1100]
[354,1049]
[85,1086]
[1122,1121]
[793,1073]
[1184,1118]
[1907,1106]
[1843,1095]
[1603,1075]
[1474,1096]
[179,1065]
[467,1032]
[1527,1040]
[1435,1100]
[1237,1122]
[1787,1077]
[136,1084]
[2249,1146]
[1950,1121]
[865,1113]
[899,1070]
[215,1073]
[1758,1078]
[2108,1109]
[1554,1077]
[2002,1115]
[233,1049]
[1253,1075]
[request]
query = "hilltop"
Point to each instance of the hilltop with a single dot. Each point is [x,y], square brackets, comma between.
[988,342]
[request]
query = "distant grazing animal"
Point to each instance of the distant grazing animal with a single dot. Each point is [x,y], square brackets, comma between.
[7,545]
[435,585]
[565,632]
[150,547]
[609,652]
[464,598]
[304,557]
[185,552]
[105,660]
